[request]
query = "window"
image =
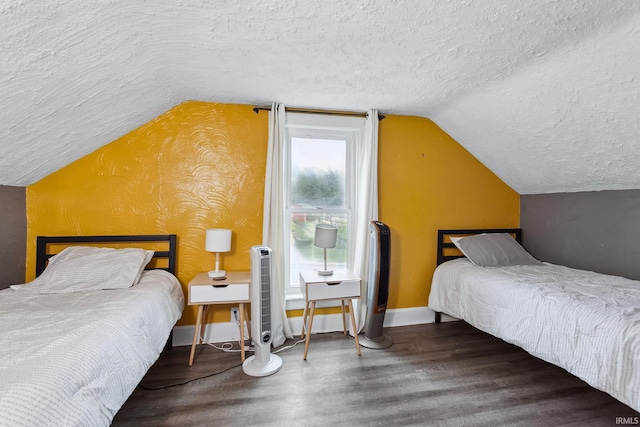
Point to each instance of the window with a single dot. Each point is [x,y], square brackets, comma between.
[319,188]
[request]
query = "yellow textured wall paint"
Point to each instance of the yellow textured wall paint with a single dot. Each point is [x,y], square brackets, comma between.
[428,181]
[202,165]
[197,166]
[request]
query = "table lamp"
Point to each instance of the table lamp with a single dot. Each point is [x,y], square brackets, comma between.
[325,237]
[218,240]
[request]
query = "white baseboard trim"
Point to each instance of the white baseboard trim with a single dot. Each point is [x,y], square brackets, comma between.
[229,332]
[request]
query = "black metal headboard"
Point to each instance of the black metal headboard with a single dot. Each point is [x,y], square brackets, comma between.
[448,251]
[166,240]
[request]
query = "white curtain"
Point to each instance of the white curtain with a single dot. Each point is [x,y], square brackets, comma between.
[273,222]
[366,208]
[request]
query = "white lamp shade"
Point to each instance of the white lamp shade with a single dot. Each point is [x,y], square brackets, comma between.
[325,236]
[218,240]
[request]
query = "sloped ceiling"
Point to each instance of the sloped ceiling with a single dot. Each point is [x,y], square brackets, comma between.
[544,92]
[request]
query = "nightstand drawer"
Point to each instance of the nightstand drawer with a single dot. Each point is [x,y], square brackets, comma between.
[212,293]
[333,290]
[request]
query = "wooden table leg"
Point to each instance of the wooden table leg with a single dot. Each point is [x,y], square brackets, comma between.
[241,309]
[203,323]
[355,328]
[304,318]
[246,319]
[306,343]
[344,318]
[196,334]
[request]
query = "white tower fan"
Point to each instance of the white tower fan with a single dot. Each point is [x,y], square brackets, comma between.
[378,293]
[262,363]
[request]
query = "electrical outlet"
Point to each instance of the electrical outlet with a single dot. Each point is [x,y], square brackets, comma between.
[235,314]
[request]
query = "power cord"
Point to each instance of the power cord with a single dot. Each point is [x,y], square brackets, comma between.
[188,381]
[227,348]
[289,347]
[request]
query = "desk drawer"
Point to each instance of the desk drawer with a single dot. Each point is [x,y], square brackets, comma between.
[333,290]
[209,294]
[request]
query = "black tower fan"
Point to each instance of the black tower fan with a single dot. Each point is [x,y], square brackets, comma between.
[379,259]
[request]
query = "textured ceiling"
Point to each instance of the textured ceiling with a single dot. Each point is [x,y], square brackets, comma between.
[544,92]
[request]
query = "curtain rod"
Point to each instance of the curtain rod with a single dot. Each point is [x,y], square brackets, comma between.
[316,111]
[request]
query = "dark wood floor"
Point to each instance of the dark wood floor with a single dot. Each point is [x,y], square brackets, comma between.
[434,374]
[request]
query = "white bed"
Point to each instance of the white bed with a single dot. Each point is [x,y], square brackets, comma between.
[73,358]
[584,322]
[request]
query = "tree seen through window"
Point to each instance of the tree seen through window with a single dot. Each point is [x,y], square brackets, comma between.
[317,189]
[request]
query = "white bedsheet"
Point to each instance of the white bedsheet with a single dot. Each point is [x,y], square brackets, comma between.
[73,359]
[584,322]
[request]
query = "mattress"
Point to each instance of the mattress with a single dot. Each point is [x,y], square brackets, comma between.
[584,322]
[73,359]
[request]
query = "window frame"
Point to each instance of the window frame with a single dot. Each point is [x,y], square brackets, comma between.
[321,126]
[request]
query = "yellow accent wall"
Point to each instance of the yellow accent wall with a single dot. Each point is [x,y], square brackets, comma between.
[197,166]
[202,165]
[428,181]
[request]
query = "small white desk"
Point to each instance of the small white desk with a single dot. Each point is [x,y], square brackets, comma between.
[342,285]
[204,291]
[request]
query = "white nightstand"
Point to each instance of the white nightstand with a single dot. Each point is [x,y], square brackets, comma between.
[342,285]
[204,291]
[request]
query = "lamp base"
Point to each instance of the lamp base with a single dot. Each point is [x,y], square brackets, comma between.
[217,274]
[325,272]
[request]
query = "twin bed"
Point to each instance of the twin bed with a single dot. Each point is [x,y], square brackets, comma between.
[78,339]
[584,322]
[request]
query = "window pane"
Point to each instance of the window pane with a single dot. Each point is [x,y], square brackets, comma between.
[318,172]
[306,256]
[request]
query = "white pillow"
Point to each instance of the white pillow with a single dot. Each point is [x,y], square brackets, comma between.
[494,250]
[83,268]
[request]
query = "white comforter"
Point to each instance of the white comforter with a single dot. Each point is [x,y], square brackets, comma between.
[73,359]
[584,322]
